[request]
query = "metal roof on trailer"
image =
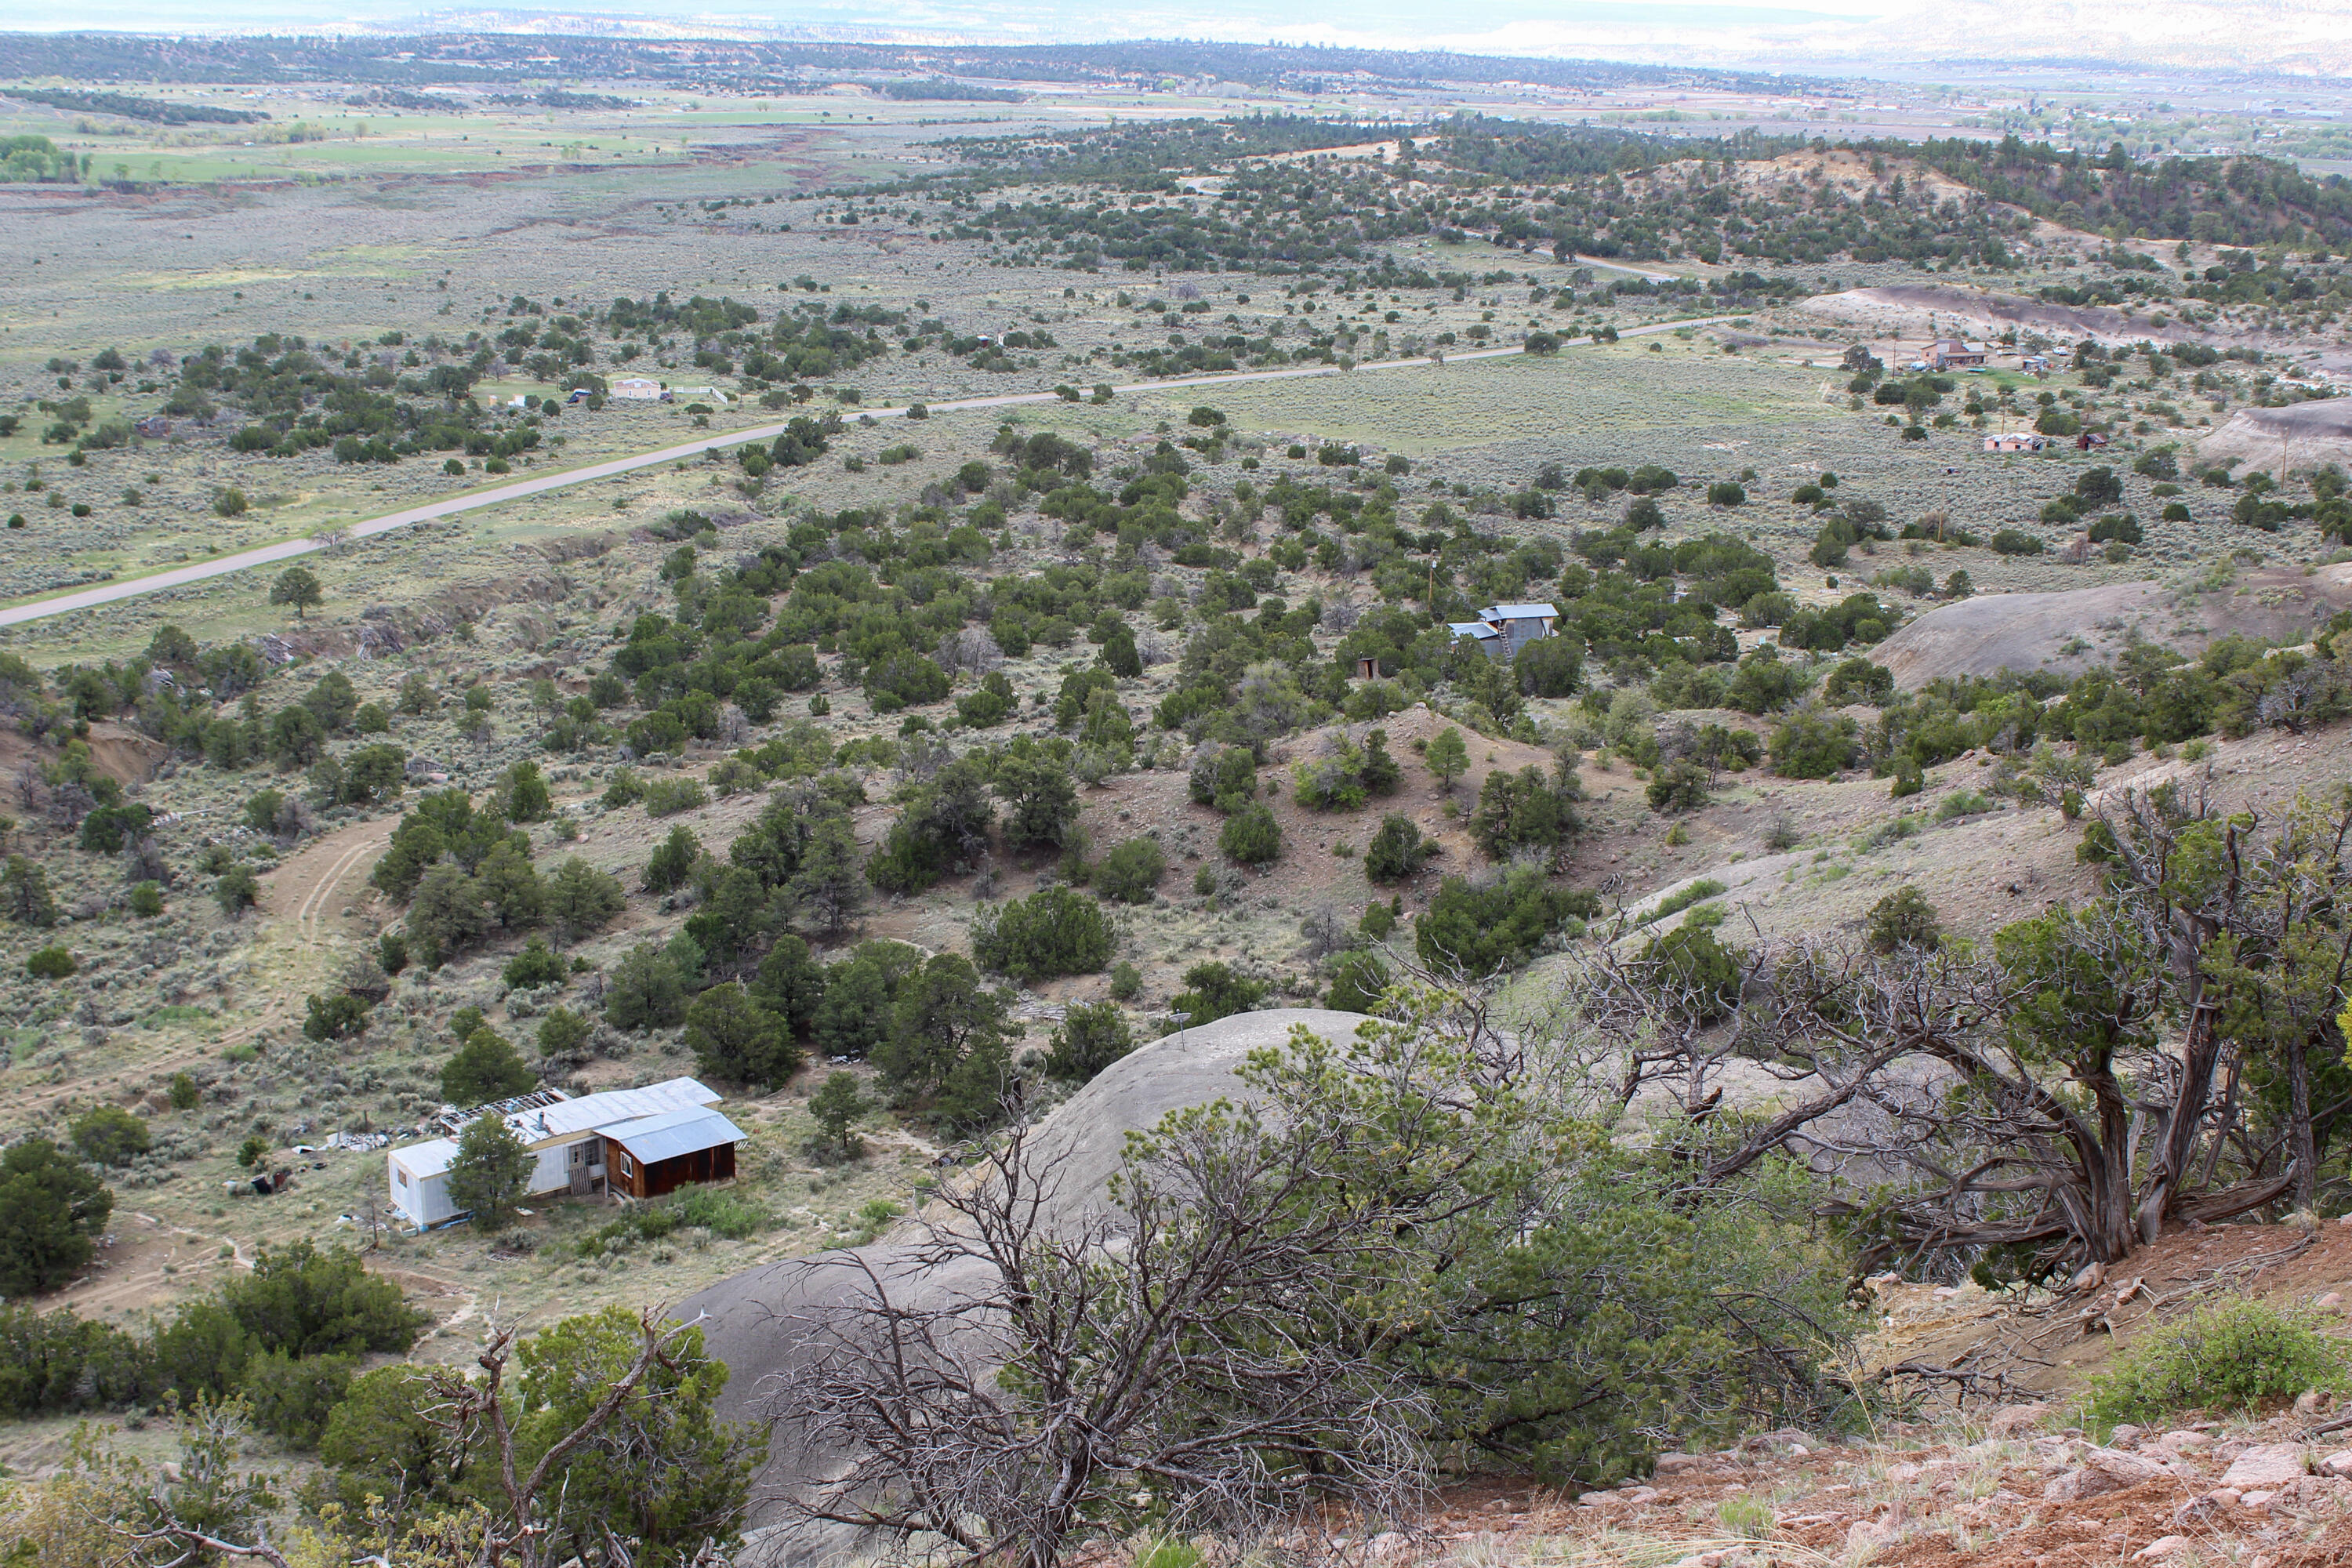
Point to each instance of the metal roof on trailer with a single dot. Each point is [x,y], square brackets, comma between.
[674,1132]
[592,1112]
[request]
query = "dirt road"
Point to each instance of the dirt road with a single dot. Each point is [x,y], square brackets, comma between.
[305,887]
[540,484]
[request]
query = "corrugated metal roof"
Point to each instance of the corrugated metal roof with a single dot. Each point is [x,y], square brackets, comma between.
[1472,629]
[674,1132]
[588,1113]
[594,1112]
[1518,612]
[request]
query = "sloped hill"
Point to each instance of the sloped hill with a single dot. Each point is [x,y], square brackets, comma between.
[2066,633]
[2231,200]
[2300,435]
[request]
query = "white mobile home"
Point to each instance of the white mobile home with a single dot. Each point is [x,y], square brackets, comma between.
[566,1134]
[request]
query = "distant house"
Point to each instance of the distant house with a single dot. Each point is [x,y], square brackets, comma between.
[1950,354]
[1367,668]
[2034,364]
[2016,441]
[1502,630]
[2089,441]
[154,428]
[637,389]
[642,1141]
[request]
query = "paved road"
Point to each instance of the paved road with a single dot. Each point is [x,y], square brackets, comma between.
[477,500]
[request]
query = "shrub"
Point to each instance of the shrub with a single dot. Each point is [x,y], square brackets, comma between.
[1341,781]
[733,1036]
[490,1174]
[1678,786]
[728,1215]
[668,797]
[672,859]
[580,899]
[1548,667]
[52,963]
[1225,778]
[2232,1355]
[536,965]
[1251,836]
[1448,758]
[1396,851]
[1056,930]
[627,787]
[50,1209]
[303,1302]
[1092,1037]
[1130,872]
[110,1135]
[1725,493]
[1814,744]
[1904,918]
[562,1034]
[185,1094]
[486,1068]
[236,890]
[1213,990]
[2016,542]
[1481,930]
[904,680]
[646,991]
[334,1017]
[291,1397]
[1526,811]
[1697,971]
[989,705]
[147,899]
[836,1107]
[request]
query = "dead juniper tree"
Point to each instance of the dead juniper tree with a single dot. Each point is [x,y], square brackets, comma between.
[1177,1352]
[2051,1095]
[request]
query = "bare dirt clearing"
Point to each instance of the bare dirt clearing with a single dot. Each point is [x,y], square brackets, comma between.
[1917,309]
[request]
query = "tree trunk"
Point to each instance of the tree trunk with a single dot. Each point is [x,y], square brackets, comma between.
[2200,1052]
[2300,1138]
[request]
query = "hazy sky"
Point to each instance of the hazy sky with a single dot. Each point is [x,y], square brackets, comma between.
[2306,36]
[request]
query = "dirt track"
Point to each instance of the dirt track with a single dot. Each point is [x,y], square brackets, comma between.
[305,887]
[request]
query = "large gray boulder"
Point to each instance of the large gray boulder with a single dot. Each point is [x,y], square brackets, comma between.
[755,1321]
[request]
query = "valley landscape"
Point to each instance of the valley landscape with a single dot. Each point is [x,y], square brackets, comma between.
[1306,805]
